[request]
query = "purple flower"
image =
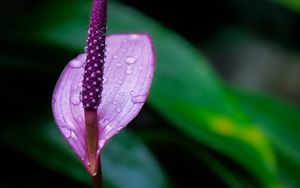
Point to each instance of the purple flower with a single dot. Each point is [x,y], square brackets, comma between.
[101,91]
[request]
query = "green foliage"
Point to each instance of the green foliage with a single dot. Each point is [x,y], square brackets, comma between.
[280,123]
[292,4]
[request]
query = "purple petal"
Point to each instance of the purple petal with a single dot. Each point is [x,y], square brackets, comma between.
[128,74]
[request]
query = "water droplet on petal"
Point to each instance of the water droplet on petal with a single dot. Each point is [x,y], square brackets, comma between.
[128,71]
[101,143]
[105,122]
[75,99]
[119,64]
[118,110]
[134,36]
[72,135]
[130,60]
[119,82]
[114,102]
[65,131]
[139,98]
[132,93]
[105,80]
[76,63]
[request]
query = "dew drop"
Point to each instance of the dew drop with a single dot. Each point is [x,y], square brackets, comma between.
[118,110]
[119,64]
[65,131]
[130,60]
[114,102]
[75,99]
[119,82]
[132,93]
[105,122]
[139,98]
[105,80]
[128,71]
[76,63]
[101,143]
[133,36]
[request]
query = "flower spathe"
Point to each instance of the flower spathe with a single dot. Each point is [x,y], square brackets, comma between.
[128,72]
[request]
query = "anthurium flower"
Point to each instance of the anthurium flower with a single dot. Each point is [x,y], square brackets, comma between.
[101,91]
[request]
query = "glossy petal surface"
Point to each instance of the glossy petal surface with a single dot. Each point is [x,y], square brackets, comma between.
[128,74]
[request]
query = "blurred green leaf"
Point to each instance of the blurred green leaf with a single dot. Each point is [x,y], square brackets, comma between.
[230,178]
[280,122]
[126,161]
[185,91]
[292,4]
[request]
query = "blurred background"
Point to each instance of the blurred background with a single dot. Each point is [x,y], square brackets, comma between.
[223,109]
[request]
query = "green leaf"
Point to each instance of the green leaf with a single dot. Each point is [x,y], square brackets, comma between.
[126,161]
[185,90]
[230,178]
[292,4]
[280,122]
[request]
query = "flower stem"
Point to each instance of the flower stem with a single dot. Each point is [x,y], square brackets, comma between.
[91,137]
[98,179]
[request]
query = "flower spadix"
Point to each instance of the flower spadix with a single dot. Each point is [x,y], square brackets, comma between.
[101,91]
